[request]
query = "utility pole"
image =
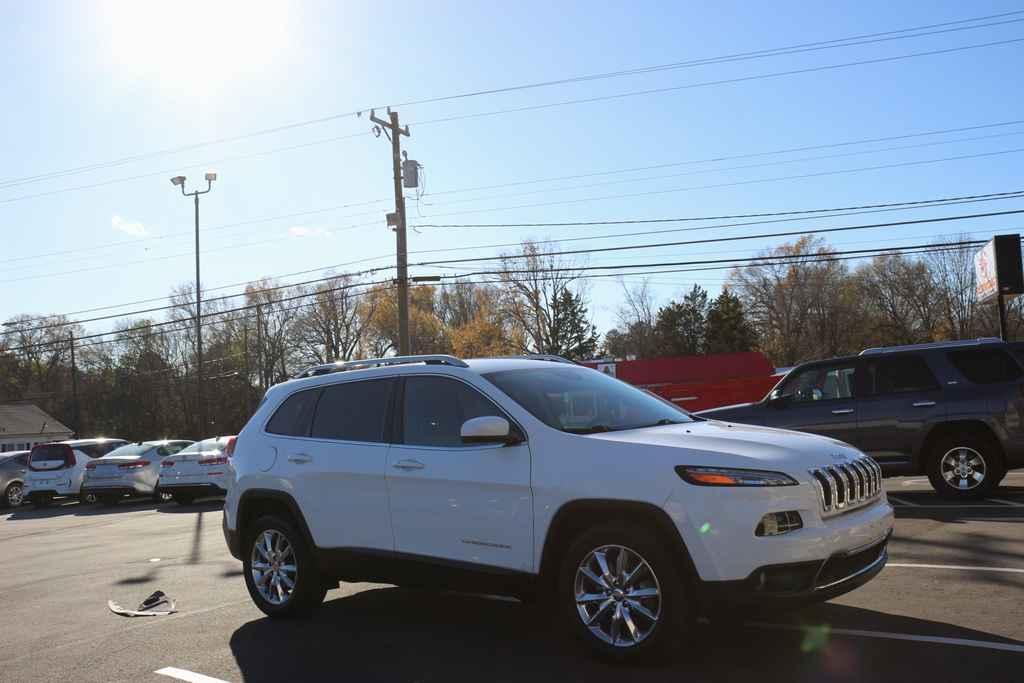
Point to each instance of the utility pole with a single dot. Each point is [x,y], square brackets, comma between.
[201,408]
[402,252]
[74,384]
[1002,317]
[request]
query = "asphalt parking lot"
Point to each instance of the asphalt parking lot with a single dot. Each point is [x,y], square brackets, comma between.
[948,607]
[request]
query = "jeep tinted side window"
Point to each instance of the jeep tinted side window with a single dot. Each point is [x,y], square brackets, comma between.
[293,416]
[436,407]
[898,374]
[985,366]
[354,411]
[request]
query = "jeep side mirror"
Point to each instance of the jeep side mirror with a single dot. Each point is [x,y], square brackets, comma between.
[777,400]
[488,429]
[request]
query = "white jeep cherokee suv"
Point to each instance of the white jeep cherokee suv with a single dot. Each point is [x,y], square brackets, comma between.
[535,476]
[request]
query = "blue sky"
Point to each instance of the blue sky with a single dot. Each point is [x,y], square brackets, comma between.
[88,83]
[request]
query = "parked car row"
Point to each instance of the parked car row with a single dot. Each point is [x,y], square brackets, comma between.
[107,470]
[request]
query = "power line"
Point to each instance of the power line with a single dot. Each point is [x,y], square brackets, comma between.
[786,259]
[920,221]
[832,213]
[918,31]
[801,176]
[734,157]
[300,214]
[704,84]
[705,171]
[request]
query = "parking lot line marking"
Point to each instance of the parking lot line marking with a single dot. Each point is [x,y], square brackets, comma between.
[940,640]
[1007,502]
[901,501]
[1011,570]
[186,675]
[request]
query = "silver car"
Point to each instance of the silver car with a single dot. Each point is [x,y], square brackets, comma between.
[13,466]
[131,470]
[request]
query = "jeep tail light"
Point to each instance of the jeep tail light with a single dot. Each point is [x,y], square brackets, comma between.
[229,449]
[214,460]
[134,465]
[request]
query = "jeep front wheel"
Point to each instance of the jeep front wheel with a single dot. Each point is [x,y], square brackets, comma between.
[279,569]
[621,592]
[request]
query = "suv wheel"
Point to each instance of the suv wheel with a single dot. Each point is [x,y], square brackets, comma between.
[965,466]
[279,569]
[621,592]
[14,495]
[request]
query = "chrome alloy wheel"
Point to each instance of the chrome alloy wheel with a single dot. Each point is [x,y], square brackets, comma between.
[273,567]
[963,468]
[617,595]
[15,495]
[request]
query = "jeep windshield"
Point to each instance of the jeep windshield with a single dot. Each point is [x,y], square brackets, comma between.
[583,401]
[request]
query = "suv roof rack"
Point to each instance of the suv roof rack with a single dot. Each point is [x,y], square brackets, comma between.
[343,366]
[932,345]
[542,356]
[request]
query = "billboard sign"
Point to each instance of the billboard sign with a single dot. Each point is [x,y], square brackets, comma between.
[997,268]
[986,279]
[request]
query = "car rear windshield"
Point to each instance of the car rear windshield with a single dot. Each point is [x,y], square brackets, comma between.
[51,451]
[583,401]
[130,449]
[986,366]
[206,445]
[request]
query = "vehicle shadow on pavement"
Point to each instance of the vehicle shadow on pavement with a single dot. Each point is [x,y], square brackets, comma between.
[81,509]
[394,634]
[201,505]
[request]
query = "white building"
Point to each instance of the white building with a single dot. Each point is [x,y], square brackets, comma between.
[23,425]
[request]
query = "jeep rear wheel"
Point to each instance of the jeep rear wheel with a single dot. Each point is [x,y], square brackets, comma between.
[621,592]
[965,466]
[279,569]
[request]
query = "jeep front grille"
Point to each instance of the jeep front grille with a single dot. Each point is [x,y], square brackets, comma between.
[848,485]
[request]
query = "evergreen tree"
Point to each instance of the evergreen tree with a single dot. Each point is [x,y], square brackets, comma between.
[680,326]
[728,329]
[572,334]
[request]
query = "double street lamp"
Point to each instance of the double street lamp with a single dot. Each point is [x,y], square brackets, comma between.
[179,181]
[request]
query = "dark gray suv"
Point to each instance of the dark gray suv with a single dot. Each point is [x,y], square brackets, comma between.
[951,410]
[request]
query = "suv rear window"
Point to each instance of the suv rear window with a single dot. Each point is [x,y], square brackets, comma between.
[98,450]
[295,414]
[898,374]
[985,366]
[353,411]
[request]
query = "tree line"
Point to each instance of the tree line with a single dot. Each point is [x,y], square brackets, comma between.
[795,302]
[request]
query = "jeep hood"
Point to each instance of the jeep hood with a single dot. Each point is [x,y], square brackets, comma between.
[725,444]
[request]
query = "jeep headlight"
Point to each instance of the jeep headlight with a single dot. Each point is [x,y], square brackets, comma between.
[728,476]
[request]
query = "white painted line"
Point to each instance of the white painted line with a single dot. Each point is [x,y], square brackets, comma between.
[964,642]
[901,501]
[951,507]
[1007,502]
[186,675]
[1012,570]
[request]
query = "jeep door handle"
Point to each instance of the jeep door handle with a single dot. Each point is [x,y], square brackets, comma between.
[408,465]
[300,458]
[842,411]
[923,404]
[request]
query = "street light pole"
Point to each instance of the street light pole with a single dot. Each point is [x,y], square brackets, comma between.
[180,182]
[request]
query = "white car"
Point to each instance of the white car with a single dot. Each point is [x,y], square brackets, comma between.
[131,470]
[56,469]
[202,469]
[532,478]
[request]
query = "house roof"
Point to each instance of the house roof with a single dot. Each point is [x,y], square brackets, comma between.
[26,419]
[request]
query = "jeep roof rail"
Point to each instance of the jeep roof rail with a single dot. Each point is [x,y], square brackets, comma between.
[548,357]
[343,366]
[932,345]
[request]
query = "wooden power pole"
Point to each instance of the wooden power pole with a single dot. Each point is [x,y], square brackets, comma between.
[394,133]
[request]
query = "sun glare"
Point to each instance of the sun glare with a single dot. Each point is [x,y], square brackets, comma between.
[194,45]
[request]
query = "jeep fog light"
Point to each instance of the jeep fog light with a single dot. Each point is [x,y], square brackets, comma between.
[777,523]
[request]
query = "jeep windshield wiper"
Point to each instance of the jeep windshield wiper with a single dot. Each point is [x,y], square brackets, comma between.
[592,429]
